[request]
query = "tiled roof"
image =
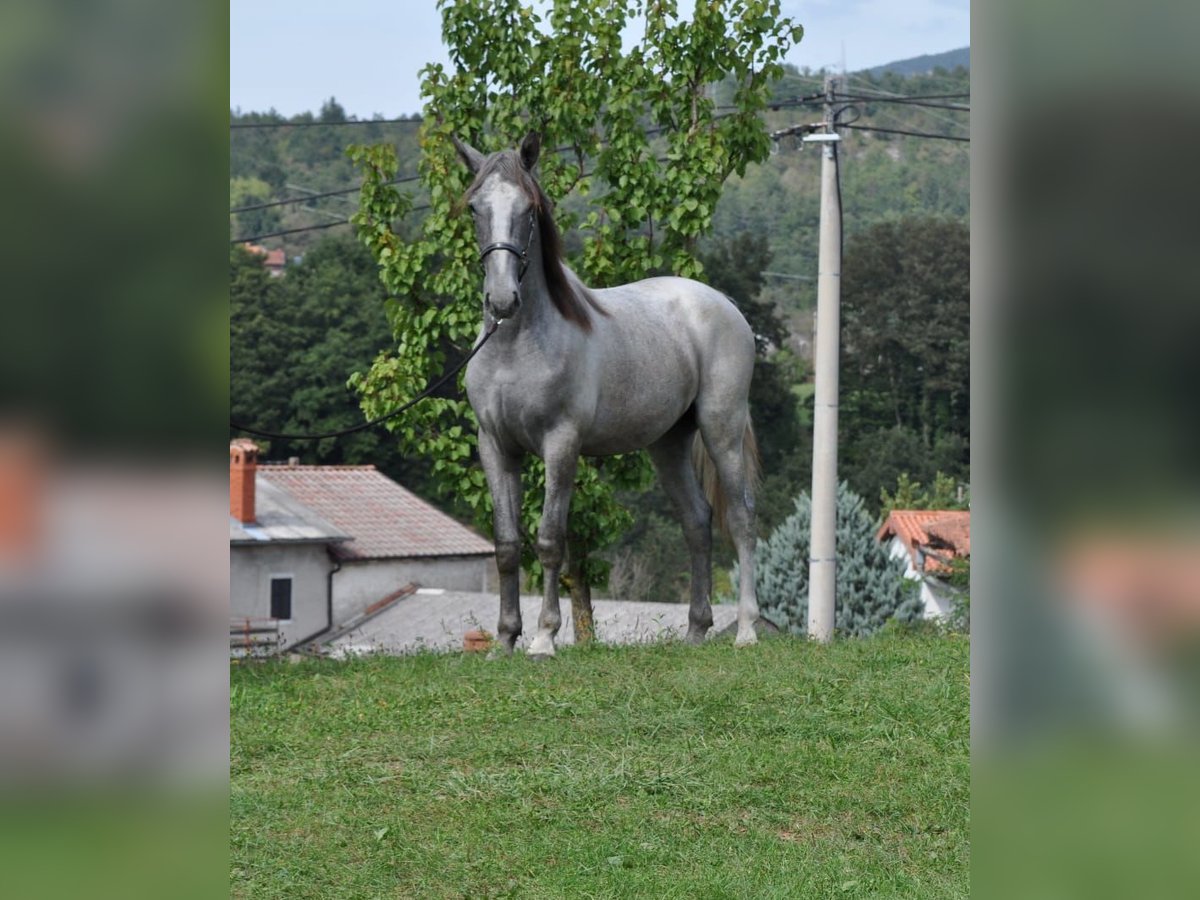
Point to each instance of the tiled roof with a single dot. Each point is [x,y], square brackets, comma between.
[273,258]
[281,518]
[385,520]
[929,534]
[952,529]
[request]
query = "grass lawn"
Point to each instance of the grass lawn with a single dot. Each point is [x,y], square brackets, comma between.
[785,770]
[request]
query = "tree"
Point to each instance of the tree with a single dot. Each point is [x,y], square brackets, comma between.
[251,192]
[870,585]
[641,146]
[735,267]
[906,353]
[260,339]
[946,492]
[294,342]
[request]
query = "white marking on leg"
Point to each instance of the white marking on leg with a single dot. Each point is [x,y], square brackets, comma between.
[542,644]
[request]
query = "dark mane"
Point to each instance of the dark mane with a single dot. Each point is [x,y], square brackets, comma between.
[574,302]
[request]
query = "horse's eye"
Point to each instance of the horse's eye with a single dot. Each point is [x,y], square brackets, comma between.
[471,207]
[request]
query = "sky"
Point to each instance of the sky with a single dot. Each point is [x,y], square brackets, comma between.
[292,55]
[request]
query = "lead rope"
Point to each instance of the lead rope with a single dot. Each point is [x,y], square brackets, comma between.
[258,432]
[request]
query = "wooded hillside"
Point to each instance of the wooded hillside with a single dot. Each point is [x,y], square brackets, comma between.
[904,166]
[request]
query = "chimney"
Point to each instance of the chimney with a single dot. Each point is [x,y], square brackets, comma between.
[243,461]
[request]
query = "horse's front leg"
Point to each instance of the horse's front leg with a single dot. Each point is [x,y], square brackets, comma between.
[503,472]
[561,453]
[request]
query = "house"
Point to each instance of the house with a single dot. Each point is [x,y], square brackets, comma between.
[314,547]
[280,561]
[273,260]
[396,537]
[928,540]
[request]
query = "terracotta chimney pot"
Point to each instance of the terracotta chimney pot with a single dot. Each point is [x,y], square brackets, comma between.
[243,463]
[476,640]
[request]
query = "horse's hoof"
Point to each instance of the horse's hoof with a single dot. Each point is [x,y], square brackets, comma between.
[499,652]
[695,635]
[745,638]
[542,647]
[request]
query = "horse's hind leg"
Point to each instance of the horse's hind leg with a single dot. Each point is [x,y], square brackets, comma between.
[672,456]
[726,435]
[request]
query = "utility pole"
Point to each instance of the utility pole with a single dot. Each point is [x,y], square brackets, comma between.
[822,562]
[822,556]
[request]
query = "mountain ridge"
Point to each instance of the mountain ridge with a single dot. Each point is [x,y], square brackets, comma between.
[926,63]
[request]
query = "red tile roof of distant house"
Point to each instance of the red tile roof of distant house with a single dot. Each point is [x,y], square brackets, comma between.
[385,520]
[931,536]
[273,259]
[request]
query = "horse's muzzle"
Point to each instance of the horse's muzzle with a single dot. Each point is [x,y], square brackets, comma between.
[502,309]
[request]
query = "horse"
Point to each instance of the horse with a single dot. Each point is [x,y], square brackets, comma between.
[662,364]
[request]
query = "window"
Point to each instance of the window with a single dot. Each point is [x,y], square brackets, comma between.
[281,598]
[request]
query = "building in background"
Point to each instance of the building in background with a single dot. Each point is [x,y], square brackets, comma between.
[313,548]
[929,540]
[396,537]
[280,559]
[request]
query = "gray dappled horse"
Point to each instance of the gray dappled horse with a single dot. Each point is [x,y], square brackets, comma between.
[662,364]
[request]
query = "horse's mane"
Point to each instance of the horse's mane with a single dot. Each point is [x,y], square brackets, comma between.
[570,297]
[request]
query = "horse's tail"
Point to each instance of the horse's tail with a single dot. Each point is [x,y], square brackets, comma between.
[706,470]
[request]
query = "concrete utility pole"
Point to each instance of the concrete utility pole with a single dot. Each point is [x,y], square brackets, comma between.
[822,564]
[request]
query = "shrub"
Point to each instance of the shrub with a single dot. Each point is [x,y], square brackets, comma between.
[871,589]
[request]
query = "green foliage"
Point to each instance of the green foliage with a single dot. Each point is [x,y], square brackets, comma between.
[905,389]
[959,578]
[911,494]
[563,73]
[295,162]
[250,192]
[884,177]
[294,341]
[641,771]
[871,589]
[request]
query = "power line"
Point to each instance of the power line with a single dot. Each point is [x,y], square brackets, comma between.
[291,200]
[260,237]
[921,134]
[892,117]
[325,124]
[956,107]
[421,208]
[965,95]
[286,231]
[795,101]
[870,88]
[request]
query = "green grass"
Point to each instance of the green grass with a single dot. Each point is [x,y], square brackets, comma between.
[785,770]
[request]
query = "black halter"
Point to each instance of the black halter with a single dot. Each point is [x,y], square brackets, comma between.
[522,254]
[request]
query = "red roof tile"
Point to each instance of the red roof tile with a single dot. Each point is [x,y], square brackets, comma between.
[952,529]
[384,519]
[930,533]
[273,259]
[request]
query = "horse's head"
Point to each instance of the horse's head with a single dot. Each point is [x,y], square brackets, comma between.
[504,201]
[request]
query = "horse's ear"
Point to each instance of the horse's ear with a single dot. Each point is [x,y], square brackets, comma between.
[469,155]
[530,148]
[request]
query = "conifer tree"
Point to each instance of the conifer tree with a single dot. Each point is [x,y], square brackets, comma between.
[870,585]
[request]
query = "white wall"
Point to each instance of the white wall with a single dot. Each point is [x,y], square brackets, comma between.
[936,606]
[251,569]
[361,583]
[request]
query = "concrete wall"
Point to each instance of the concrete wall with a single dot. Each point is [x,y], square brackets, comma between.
[361,583]
[251,569]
